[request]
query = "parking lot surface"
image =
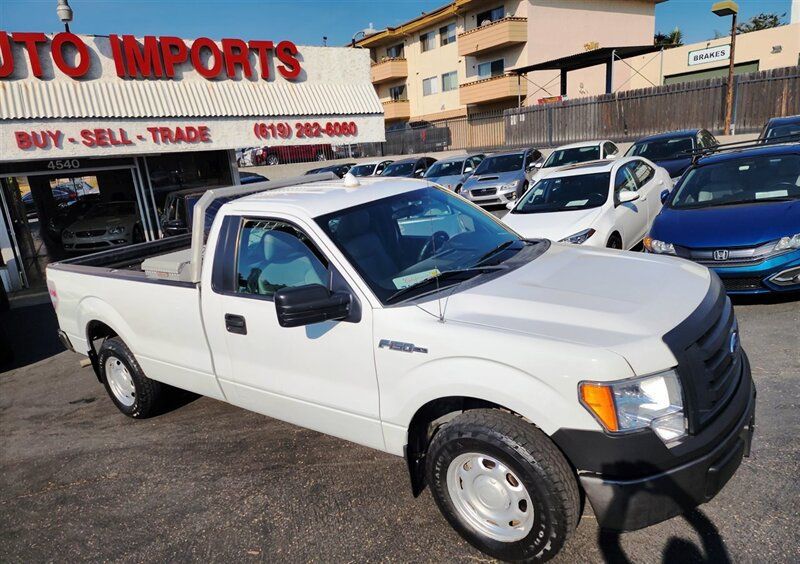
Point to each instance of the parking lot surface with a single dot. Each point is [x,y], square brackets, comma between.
[79,481]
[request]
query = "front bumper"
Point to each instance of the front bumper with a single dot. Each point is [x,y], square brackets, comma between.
[95,243]
[634,481]
[758,278]
[489,195]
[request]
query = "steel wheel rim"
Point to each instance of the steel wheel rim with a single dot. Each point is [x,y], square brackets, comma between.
[490,497]
[120,381]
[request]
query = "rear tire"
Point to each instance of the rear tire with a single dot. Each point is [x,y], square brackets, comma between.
[133,393]
[503,485]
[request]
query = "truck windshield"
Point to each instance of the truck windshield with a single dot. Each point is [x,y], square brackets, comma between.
[566,193]
[405,240]
[500,163]
[572,156]
[764,178]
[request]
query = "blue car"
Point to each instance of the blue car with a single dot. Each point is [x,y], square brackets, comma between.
[672,150]
[452,172]
[501,177]
[737,212]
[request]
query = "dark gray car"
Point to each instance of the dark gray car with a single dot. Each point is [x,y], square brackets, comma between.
[452,172]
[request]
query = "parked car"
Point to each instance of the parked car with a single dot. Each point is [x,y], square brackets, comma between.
[599,203]
[69,213]
[673,150]
[452,172]
[106,225]
[247,156]
[64,193]
[293,154]
[339,169]
[738,212]
[501,177]
[575,153]
[417,137]
[251,177]
[603,392]
[781,130]
[370,169]
[413,167]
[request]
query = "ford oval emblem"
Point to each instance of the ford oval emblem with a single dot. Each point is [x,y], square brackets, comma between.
[733,344]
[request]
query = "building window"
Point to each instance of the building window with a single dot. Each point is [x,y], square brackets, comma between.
[398,93]
[449,81]
[395,51]
[490,69]
[447,34]
[426,41]
[490,16]
[430,86]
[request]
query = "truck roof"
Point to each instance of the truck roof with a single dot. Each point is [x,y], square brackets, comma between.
[322,197]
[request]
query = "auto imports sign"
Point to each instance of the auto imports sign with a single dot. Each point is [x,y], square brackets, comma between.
[710,55]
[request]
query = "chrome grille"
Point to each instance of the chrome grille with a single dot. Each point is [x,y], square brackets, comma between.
[483,191]
[90,233]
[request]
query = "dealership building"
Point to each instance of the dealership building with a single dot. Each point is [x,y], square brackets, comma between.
[90,122]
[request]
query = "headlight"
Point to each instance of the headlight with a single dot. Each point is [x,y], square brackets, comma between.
[67,234]
[116,230]
[510,185]
[653,401]
[579,237]
[785,243]
[658,247]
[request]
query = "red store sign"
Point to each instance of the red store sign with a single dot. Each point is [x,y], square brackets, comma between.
[154,57]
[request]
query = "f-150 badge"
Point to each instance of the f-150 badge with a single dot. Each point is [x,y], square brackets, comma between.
[402,347]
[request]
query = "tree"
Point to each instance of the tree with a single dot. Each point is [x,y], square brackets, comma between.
[672,39]
[761,21]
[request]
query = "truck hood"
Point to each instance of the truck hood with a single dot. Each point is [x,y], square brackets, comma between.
[744,225]
[554,226]
[616,300]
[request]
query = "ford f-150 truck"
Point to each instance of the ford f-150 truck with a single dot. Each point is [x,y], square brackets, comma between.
[515,376]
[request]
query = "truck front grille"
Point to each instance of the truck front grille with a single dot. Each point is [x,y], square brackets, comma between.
[710,359]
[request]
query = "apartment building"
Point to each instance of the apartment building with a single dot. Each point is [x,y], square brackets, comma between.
[455,60]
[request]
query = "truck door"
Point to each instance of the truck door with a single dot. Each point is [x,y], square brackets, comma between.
[320,376]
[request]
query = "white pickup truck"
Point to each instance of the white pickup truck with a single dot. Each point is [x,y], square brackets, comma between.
[514,376]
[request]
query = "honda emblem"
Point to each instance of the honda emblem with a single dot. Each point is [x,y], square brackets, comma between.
[721,254]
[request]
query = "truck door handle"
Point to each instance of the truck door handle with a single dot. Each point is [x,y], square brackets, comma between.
[235,324]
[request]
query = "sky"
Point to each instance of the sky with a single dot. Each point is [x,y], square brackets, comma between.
[303,21]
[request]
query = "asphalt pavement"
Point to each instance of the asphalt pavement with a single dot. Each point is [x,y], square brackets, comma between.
[79,481]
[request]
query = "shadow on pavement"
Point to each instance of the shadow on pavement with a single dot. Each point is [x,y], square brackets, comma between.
[712,547]
[771,298]
[28,335]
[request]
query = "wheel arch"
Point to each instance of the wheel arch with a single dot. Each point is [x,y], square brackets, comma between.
[616,233]
[100,321]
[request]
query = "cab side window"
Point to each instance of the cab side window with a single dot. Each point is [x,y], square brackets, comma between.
[625,180]
[272,255]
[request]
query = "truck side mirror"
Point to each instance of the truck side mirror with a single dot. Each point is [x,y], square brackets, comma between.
[313,303]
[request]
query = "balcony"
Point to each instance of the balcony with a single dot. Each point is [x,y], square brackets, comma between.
[491,89]
[396,109]
[389,69]
[496,35]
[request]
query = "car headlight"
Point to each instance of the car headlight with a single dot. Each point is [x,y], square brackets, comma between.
[785,243]
[510,185]
[658,247]
[67,234]
[579,237]
[654,401]
[116,230]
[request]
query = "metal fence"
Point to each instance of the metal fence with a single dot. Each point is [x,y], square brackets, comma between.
[621,116]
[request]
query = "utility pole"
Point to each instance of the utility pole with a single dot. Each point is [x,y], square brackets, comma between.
[728,8]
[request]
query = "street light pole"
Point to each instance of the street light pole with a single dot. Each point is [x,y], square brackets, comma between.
[728,8]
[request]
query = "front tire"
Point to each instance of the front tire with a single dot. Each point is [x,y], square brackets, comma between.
[503,485]
[614,242]
[133,393]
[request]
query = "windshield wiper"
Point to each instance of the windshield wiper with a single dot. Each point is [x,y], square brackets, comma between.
[442,277]
[502,246]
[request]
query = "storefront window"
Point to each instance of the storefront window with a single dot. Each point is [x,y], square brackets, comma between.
[172,172]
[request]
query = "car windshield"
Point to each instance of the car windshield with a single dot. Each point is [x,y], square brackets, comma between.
[762,178]
[500,163]
[789,130]
[363,170]
[113,208]
[405,240]
[451,168]
[566,193]
[398,169]
[663,149]
[572,155]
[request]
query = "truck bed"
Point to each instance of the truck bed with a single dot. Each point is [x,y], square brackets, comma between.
[125,262]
